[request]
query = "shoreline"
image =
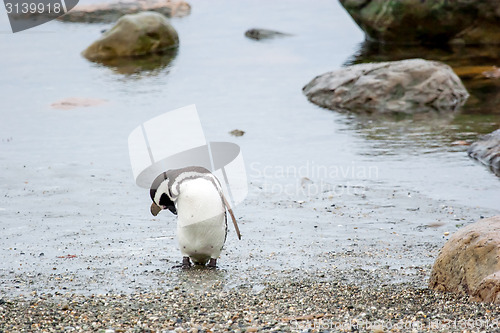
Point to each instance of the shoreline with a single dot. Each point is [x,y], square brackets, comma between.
[286,305]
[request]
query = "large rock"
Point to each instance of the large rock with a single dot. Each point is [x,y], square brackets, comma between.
[487,150]
[478,78]
[407,86]
[426,22]
[469,262]
[109,12]
[133,35]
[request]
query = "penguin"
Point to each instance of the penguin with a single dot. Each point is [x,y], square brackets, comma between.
[195,195]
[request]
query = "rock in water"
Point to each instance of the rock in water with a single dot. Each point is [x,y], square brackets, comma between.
[427,22]
[407,86]
[108,12]
[469,262]
[487,150]
[259,34]
[133,35]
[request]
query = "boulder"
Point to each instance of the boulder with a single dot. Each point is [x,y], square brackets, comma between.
[259,34]
[133,35]
[469,262]
[406,86]
[487,150]
[111,11]
[479,79]
[427,22]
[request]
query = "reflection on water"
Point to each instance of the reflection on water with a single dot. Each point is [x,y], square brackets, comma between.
[393,134]
[471,63]
[434,132]
[151,64]
[453,55]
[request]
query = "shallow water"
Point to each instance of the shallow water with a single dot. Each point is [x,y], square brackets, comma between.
[65,178]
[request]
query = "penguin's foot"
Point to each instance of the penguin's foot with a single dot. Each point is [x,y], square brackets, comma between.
[212,263]
[186,263]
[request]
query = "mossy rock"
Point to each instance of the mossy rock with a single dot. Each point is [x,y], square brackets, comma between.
[427,22]
[134,35]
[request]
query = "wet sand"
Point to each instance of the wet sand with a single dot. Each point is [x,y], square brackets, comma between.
[389,234]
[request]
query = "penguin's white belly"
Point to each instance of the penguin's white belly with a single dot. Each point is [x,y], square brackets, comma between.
[201,225]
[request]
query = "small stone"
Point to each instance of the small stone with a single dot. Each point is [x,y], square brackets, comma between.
[237,132]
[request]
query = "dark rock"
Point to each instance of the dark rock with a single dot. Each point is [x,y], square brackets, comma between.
[487,150]
[469,262]
[259,34]
[111,12]
[407,86]
[427,22]
[134,35]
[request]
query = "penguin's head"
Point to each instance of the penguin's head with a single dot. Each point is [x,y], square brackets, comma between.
[160,194]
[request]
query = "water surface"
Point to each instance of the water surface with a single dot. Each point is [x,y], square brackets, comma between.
[67,188]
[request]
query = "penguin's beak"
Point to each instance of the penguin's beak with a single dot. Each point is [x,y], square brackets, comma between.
[155,209]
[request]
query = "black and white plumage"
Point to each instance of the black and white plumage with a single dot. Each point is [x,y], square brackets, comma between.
[195,195]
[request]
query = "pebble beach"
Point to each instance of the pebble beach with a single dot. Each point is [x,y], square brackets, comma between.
[287,306]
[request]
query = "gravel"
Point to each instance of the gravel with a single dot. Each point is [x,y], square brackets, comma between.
[311,304]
